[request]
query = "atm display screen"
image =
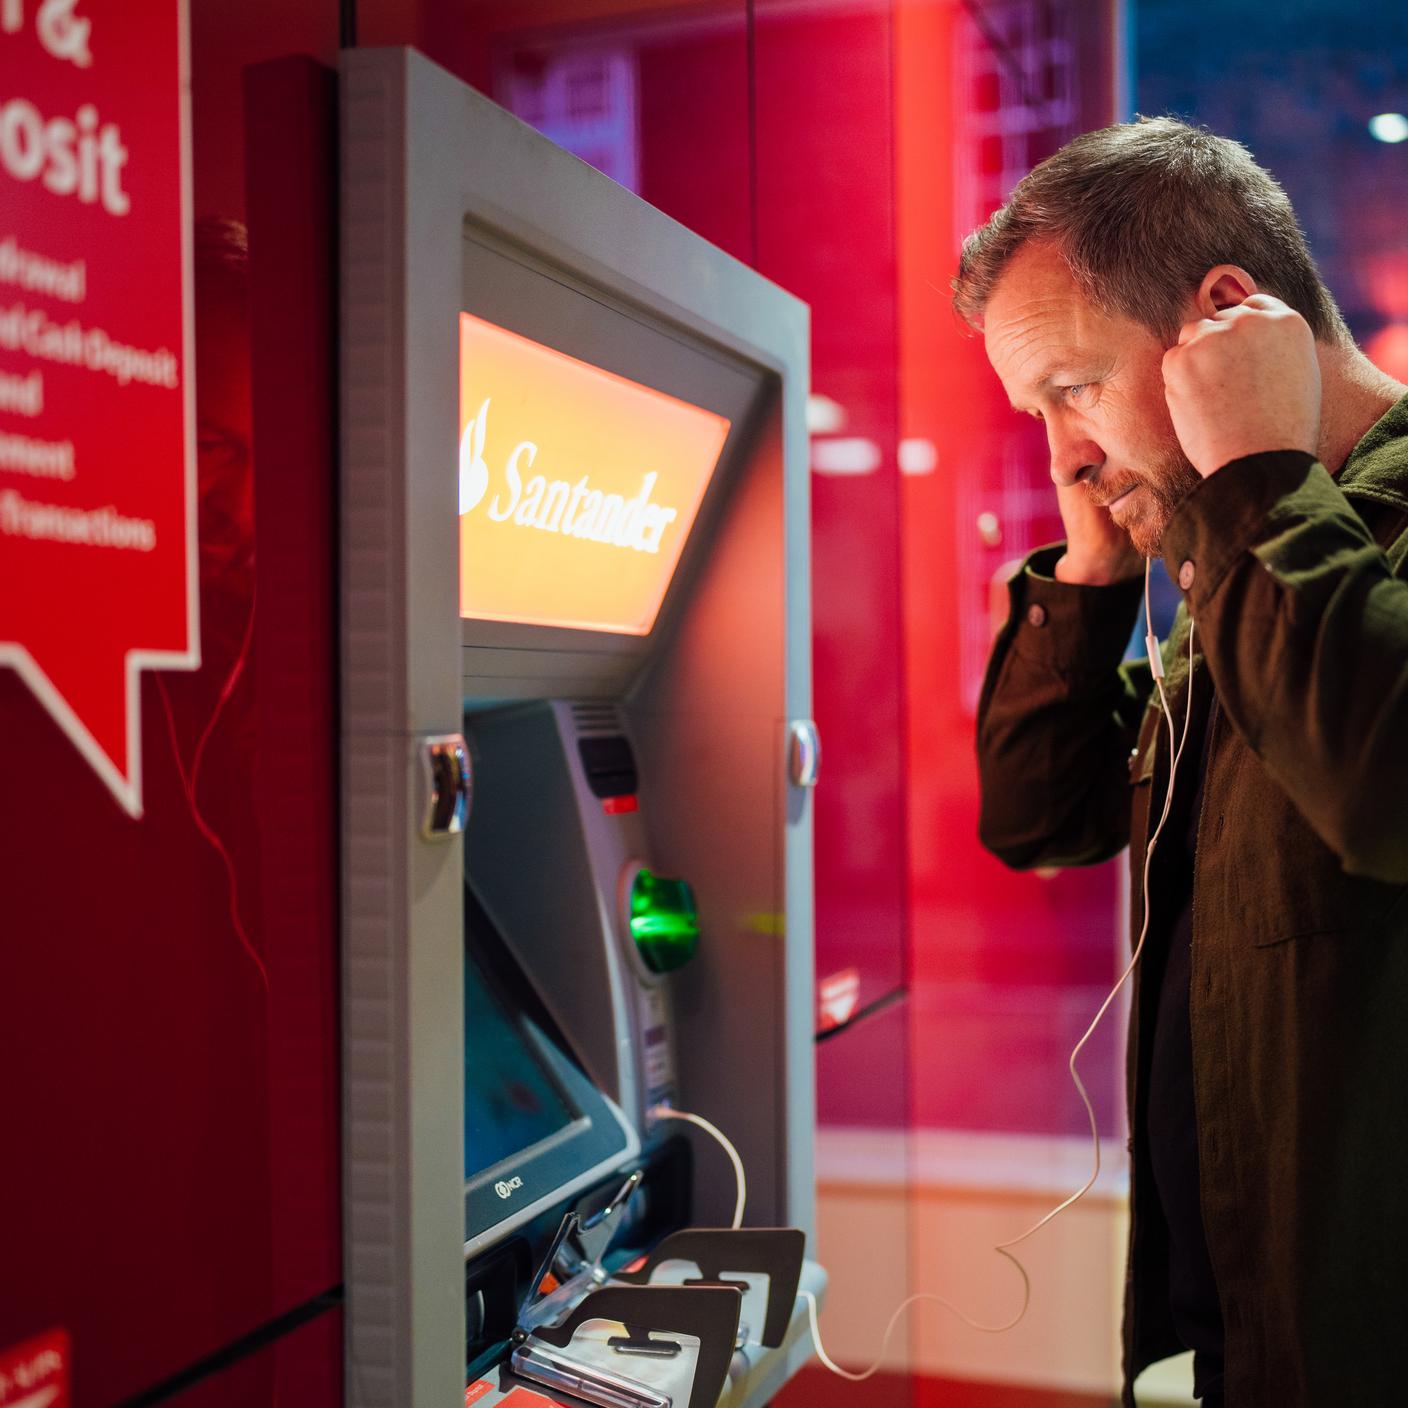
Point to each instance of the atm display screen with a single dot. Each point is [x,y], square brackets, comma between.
[535,1126]
[578,488]
[510,1101]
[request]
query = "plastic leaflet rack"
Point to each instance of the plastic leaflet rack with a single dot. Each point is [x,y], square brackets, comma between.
[701,1321]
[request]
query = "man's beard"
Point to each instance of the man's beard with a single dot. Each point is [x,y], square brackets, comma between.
[1164,485]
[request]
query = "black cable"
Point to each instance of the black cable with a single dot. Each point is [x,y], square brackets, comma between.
[347,24]
[236,1350]
[871,1009]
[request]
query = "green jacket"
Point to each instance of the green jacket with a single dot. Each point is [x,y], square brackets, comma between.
[1299,993]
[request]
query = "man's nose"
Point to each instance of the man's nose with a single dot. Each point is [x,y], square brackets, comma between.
[1073,457]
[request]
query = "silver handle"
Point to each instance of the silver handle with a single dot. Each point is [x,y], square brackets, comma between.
[803,752]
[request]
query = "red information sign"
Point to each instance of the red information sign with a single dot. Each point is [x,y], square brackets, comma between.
[35,1374]
[517,1398]
[97,469]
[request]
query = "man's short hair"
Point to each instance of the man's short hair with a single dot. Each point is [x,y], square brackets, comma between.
[1140,212]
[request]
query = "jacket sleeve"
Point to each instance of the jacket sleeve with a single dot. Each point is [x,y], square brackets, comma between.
[1057,719]
[1304,626]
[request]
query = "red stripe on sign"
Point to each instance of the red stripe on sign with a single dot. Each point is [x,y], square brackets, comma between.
[614,806]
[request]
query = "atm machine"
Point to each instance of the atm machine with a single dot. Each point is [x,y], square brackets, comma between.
[576,767]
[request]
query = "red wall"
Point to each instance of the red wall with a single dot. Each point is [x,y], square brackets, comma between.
[1007,969]
[825,174]
[170,1176]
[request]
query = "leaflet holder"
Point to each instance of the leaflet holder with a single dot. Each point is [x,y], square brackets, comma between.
[775,1252]
[708,1314]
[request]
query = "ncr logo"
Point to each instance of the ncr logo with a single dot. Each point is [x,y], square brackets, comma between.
[572,510]
[506,1187]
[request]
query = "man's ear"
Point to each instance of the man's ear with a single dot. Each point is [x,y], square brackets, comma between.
[1224,286]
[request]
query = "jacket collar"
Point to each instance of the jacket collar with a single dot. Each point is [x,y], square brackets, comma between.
[1377,467]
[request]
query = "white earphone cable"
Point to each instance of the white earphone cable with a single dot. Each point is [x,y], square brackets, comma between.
[668,1112]
[1176,746]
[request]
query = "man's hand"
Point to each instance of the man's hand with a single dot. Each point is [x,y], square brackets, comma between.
[1243,381]
[1098,552]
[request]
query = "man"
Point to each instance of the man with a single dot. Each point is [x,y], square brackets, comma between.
[1147,294]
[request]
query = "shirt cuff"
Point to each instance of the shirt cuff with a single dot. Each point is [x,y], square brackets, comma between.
[1070,627]
[1226,515]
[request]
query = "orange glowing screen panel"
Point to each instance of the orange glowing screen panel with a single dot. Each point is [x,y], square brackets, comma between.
[578,488]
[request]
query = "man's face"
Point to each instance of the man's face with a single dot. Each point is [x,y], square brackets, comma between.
[1096,381]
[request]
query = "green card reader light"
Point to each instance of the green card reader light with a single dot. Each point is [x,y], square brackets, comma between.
[663,920]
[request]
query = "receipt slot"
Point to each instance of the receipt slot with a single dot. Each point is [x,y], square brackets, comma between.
[574,544]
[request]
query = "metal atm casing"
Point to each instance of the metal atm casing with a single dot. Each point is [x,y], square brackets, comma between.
[429,165]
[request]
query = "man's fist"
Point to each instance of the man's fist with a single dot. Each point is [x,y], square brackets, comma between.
[1243,381]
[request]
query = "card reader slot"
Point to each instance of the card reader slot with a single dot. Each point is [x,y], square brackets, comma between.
[610,766]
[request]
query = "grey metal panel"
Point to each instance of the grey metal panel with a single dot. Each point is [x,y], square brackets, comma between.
[567,685]
[791,441]
[509,635]
[544,668]
[511,286]
[402,1013]
[708,720]
[421,154]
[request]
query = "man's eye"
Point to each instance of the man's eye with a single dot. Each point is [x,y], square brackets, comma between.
[1074,393]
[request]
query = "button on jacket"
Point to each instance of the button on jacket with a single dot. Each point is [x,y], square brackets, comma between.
[1299,993]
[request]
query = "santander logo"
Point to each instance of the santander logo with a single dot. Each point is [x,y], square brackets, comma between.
[474,473]
[573,509]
